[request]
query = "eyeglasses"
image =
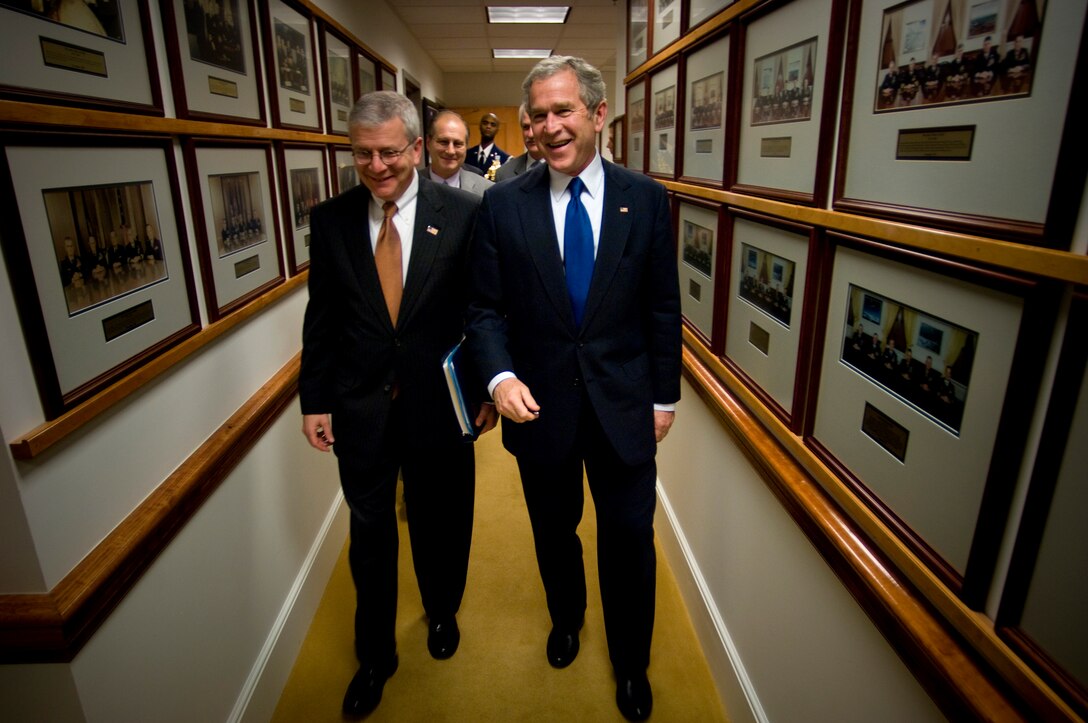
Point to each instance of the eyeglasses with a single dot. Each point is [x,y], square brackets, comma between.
[388,156]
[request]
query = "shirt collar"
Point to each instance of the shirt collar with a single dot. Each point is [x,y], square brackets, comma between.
[592,176]
[405,199]
[454,180]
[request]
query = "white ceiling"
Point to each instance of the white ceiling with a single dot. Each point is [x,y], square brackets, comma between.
[459,39]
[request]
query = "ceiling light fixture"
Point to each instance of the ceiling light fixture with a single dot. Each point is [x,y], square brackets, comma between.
[520,53]
[528,14]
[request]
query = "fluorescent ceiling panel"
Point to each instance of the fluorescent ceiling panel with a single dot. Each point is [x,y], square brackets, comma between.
[526,14]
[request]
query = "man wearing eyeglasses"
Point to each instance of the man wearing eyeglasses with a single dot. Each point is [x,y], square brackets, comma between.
[575,322]
[447,139]
[388,291]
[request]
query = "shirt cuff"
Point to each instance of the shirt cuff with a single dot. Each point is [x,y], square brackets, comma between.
[501,376]
[665,408]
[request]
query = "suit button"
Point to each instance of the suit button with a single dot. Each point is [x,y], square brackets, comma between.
[577,381]
[387,388]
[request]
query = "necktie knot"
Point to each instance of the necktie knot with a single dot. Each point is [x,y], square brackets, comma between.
[389,208]
[576,187]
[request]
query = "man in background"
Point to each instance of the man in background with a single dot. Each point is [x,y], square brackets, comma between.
[533,152]
[447,139]
[486,153]
[388,292]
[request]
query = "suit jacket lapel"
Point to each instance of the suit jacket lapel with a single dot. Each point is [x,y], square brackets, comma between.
[358,246]
[615,227]
[538,228]
[426,236]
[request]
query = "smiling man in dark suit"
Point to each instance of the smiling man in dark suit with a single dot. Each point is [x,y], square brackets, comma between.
[575,323]
[388,290]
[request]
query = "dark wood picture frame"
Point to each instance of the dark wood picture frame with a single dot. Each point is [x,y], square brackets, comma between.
[342,169]
[227,94]
[695,274]
[619,139]
[639,30]
[297,204]
[635,155]
[664,122]
[298,107]
[697,140]
[336,100]
[66,376]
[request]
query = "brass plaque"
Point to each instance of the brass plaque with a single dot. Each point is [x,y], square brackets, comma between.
[341,115]
[57,54]
[127,320]
[759,337]
[885,431]
[695,290]
[218,86]
[247,266]
[306,241]
[704,145]
[296,105]
[776,147]
[935,144]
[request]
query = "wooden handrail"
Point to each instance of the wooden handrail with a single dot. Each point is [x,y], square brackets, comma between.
[52,627]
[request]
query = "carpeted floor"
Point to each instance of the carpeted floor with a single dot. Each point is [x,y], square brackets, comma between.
[500,671]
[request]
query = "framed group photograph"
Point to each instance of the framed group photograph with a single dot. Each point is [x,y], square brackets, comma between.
[765,320]
[339,80]
[635,155]
[98,258]
[230,186]
[662,135]
[919,408]
[697,232]
[790,70]
[304,182]
[666,23]
[638,29]
[938,100]
[344,175]
[292,65]
[214,60]
[96,55]
[706,73]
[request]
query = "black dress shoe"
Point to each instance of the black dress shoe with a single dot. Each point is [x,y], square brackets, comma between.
[633,696]
[365,689]
[443,638]
[562,646]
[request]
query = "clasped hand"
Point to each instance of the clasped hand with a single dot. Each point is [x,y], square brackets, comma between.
[514,401]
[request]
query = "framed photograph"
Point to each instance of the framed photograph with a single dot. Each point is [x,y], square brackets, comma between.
[1042,586]
[664,101]
[98,257]
[619,139]
[230,184]
[366,74]
[339,83]
[291,62]
[214,60]
[635,155]
[697,232]
[304,183]
[344,174]
[937,101]
[766,325]
[638,29]
[706,73]
[94,55]
[389,78]
[928,373]
[666,23]
[701,10]
[790,71]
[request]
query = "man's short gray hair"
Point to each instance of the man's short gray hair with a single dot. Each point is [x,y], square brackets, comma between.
[591,87]
[380,107]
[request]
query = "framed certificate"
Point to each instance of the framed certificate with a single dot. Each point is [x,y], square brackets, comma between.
[98,258]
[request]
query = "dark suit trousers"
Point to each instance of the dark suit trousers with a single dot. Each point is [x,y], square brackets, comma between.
[439,491]
[624,498]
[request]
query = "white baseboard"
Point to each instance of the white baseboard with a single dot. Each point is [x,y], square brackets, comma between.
[261,692]
[734,687]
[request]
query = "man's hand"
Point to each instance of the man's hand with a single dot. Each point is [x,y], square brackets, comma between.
[513,401]
[662,423]
[317,428]
[487,418]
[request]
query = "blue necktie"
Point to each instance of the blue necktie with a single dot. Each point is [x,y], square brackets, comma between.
[577,249]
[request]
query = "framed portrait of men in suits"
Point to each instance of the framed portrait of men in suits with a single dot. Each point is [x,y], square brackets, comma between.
[292,65]
[304,183]
[338,79]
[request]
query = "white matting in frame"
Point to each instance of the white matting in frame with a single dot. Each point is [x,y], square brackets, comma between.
[703,9]
[636,125]
[215,76]
[666,23]
[307,185]
[766,293]
[338,80]
[704,140]
[295,98]
[663,106]
[937,487]
[785,56]
[344,164]
[1015,145]
[698,249]
[100,59]
[239,222]
[124,310]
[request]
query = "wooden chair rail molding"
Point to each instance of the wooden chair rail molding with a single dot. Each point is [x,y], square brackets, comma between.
[41,438]
[52,627]
[953,651]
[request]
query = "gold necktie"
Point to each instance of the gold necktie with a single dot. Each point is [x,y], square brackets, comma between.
[387,257]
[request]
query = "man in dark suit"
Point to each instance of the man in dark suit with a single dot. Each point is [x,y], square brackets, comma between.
[575,324]
[484,155]
[533,151]
[388,290]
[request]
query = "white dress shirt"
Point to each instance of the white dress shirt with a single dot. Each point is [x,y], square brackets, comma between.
[404,219]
